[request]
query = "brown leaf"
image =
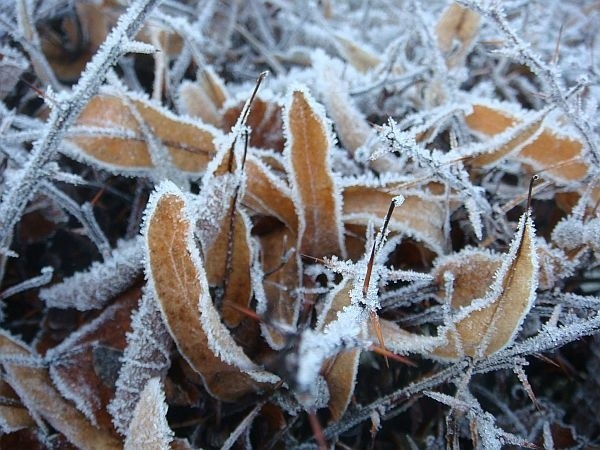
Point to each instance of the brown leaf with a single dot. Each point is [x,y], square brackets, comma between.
[341,370]
[490,322]
[85,365]
[177,276]
[558,156]
[362,59]
[281,275]
[268,195]
[265,121]
[13,414]
[309,142]
[204,98]
[457,24]
[418,217]
[35,389]
[119,144]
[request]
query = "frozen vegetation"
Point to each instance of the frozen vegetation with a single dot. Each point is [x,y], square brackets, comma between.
[299,224]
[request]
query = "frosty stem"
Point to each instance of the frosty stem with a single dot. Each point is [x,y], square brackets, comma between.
[64,114]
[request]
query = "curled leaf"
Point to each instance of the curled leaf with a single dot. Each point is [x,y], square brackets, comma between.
[456,31]
[177,276]
[490,322]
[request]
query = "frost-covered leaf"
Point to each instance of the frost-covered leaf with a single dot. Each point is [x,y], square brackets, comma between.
[489,322]
[456,31]
[558,155]
[146,356]
[149,428]
[204,98]
[104,280]
[265,121]
[419,217]
[278,278]
[341,370]
[177,277]
[108,134]
[362,58]
[13,414]
[35,389]
[268,195]
[318,202]
[83,366]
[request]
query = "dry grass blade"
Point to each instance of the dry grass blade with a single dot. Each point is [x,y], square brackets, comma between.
[309,142]
[35,389]
[489,323]
[178,278]
[149,428]
[121,146]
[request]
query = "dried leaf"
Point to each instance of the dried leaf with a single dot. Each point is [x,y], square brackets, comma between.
[176,275]
[34,388]
[149,428]
[418,217]
[265,121]
[361,58]
[279,275]
[108,134]
[309,142]
[13,414]
[458,25]
[489,323]
[558,156]
[341,370]
[204,98]
[83,367]
[266,194]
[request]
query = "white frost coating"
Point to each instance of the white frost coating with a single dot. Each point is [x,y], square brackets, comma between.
[146,356]
[149,428]
[294,177]
[101,282]
[315,347]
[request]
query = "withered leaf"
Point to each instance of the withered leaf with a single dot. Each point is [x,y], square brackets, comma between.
[13,414]
[489,323]
[559,156]
[457,25]
[176,274]
[279,272]
[316,195]
[265,121]
[362,59]
[418,217]
[204,98]
[35,389]
[117,142]
[266,194]
[341,370]
[78,370]
[149,428]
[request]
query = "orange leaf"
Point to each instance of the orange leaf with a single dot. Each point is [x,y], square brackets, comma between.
[116,140]
[309,142]
[177,276]
[456,24]
[35,389]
